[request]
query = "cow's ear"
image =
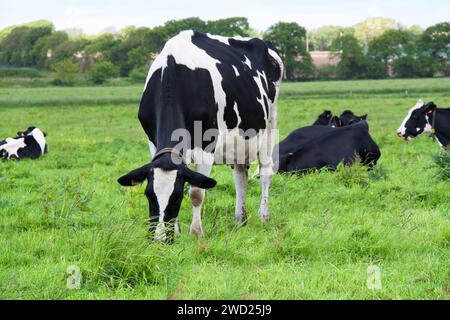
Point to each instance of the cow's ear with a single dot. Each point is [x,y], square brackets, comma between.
[197,179]
[431,107]
[135,177]
[364,117]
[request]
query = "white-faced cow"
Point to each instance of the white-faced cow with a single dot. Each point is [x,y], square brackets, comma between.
[28,144]
[317,147]
[429,118]
[226,91]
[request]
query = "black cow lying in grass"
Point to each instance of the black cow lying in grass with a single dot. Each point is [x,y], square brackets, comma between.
[28,144]
[427,118]
[317,147]
[346,118]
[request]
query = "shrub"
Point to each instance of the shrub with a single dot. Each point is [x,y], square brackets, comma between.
[442,163]
[421,66]
[138,75]
[19,73]
[65,73]
[326,72]
[102,71]
[375,69]
[354,174]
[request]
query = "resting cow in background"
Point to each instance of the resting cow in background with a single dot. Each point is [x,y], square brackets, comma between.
[28,144]
[427,118]
[227,85]
[317,147]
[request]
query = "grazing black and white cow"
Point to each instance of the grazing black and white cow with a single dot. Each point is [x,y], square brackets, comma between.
[316,147]
[326,118]
[348,117]
[28,144]
[427,118]
[226,91]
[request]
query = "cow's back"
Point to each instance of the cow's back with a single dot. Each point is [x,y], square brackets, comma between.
[228,84]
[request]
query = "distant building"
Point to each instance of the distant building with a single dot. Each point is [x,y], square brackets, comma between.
[323,58]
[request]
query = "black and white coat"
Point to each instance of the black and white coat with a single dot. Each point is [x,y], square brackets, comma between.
[202,83]
[28,144]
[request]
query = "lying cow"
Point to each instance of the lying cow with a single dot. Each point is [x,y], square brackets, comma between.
[200,84]
[427,118]
[28,144]
[317,147]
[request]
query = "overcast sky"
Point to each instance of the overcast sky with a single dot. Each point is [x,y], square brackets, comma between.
[92,16]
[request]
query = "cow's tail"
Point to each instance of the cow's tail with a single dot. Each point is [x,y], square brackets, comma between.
[168,83]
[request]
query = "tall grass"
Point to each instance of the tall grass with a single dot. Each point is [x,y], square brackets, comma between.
[326,228]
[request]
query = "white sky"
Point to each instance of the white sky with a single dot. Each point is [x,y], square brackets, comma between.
[92,16]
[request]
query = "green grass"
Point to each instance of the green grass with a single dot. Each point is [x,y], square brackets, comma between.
[325,230]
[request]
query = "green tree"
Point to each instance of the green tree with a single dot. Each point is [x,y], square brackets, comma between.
[173,27]
[322,38]
[65,72]
[375,69]
[44,48]
[372,28]
[418,65]
[435,41]
[33,24]
[353,62]
[68,49]
[230,27]
[16,47]
[135,51]
[391,46]
[102,71]
[290,40]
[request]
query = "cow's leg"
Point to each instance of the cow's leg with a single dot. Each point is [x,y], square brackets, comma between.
[266,180]
[240,174]
[266,171]
[197,195]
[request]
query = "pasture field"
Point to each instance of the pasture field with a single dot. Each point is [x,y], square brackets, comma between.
[326,228]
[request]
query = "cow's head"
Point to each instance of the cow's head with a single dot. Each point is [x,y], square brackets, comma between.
[348,118]
[324,118]
[336,122]
[418,121]
[30,131]
[165,190]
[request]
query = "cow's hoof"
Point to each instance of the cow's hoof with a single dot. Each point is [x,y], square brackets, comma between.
[177,227]
[196,229]
[264,216]
[240,220]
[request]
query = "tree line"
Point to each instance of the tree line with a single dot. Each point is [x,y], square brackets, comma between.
[376,48]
